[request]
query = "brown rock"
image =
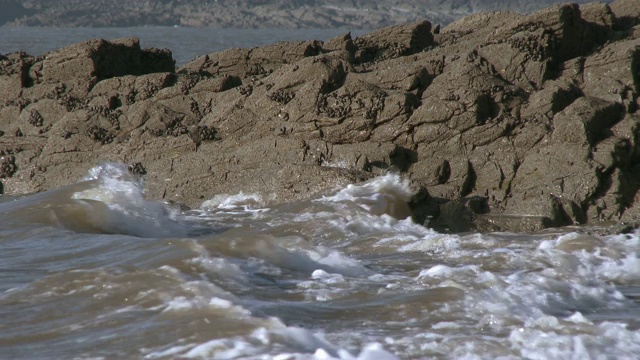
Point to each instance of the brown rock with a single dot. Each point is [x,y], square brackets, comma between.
[218,84]
[613,73]
[586,121]
[15,75]
[252,62]
[129,89]
[343,42]
[574,36]
[554,97]
[96,60]
[627,13]
[551,179]
[622,187]
[393,41]
[503,121]
[601,15]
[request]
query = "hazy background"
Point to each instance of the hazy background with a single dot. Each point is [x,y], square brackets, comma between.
[190,28]
[291,14]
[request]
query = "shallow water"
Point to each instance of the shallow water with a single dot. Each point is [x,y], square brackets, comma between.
[94,270]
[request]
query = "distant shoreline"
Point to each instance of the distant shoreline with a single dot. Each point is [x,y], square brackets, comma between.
[251,14]
[184,42]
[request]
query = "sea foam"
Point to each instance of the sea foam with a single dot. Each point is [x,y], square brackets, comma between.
[127,210]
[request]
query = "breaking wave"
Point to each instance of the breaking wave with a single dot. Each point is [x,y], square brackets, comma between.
[96,270]
[109,200]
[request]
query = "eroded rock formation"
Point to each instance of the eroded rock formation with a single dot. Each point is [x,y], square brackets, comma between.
[504,121]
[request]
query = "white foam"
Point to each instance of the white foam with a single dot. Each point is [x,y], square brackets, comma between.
[614,260]
[598,342]
[182,303]
[128,212]
[388,194]
[222,349]
[170,352]
[338,261]
[437,271]
[446,325]
[374,351]
[577,317]
[624,242]
[221,267]
[327,278]
[116,186]
[325,286]
[433,242]
[295,252]
[622,271]
[236,201]
[302,344]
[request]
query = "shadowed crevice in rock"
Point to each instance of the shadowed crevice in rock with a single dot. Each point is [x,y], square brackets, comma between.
[502,121]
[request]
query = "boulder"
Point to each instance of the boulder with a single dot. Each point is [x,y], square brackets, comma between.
[556,181]
[393,41]
[627,14]
[99,59]
[586,121]
[613,73]
[252,62]
[14,69]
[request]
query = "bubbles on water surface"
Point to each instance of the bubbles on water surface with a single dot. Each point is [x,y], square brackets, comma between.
[345,276]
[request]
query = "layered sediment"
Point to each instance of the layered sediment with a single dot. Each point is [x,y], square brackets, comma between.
[501,121]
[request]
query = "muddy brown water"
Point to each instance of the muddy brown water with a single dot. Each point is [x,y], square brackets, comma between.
[95,270]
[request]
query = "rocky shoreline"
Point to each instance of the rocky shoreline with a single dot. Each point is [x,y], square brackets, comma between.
[502,121]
